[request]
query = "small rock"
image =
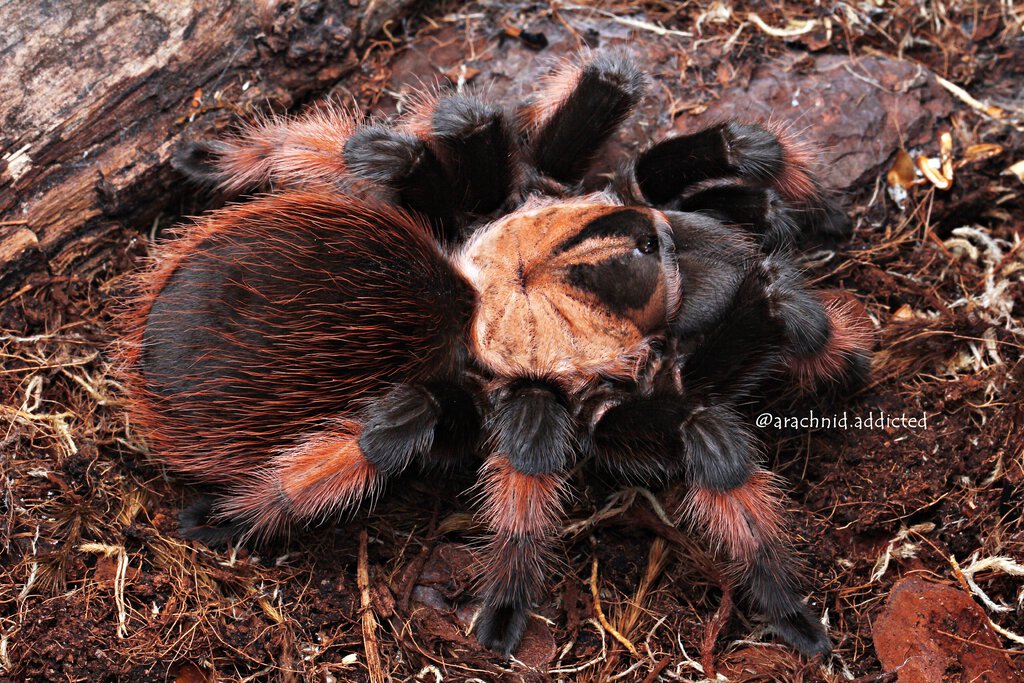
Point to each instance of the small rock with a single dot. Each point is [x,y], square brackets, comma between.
[912,637]
[857,113]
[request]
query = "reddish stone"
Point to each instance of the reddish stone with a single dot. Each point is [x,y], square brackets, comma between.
[857,113]
[929,633]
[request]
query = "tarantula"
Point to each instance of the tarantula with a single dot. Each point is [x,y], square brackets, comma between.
[442,289]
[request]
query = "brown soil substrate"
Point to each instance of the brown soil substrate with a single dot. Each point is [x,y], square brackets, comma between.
[96,584]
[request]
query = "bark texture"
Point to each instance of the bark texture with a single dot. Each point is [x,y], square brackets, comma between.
[97,96]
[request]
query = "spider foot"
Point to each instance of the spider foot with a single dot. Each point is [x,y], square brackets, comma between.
[500,627]
[198,160]
[803,632]
[195,522]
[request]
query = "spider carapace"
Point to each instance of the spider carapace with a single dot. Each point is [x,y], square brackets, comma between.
[440,290]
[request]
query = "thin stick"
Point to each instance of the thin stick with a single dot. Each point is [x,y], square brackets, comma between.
[658,668]
[373,664]
[987,109]
[714,627]
[600,614]
[886,677]
[977,644]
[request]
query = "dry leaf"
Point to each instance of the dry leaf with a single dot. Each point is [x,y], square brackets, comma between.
[982,151]
[1018,170]
[946,156]
[930,167]
[904,312]
[902,174]
[462,74]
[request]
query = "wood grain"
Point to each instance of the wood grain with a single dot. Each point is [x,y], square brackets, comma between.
[99,95]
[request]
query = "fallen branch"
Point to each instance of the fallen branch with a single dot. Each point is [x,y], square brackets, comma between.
[369,620]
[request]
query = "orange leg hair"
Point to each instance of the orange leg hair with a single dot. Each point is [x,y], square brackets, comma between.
[732,500]
[334,469]
[848,350]
[521,512]
[304,152]
[327,473]
[746,522]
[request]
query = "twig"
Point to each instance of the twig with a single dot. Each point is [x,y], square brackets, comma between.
[120,576]
[600,614]
[886,677]
[409,576]
[961,94]
[1009,256]
[119,582]
[593,662]
[626,21]
[795,30]
[714,627]
[373,664]
[658,668]
[415,568]
[977,644]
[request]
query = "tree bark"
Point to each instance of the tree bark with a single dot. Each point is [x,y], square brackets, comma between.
[98,95]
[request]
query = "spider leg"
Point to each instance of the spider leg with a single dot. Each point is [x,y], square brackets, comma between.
[732,500]
[641,455]
[696,171]
[576,111]
[333,469]
[402,162]
[846,355]
[522,484]
[776,322]
[196,522]
[746,521]
[306,151]
[474,141]
[452,162]
[713,260]
[772,316]
[723,150]
[759,210]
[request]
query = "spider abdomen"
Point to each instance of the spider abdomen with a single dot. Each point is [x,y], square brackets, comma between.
[273,316]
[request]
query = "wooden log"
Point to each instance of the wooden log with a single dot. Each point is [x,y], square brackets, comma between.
[97,96]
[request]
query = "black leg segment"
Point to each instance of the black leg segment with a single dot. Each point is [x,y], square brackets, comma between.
[566,139]
[475,143]
[412,421]
[405,164]
[729,149]
[523,484]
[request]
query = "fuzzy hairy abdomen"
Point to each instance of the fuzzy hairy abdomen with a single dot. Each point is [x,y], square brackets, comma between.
[272,317]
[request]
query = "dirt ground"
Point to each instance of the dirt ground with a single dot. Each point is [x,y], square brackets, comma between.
[911,535]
